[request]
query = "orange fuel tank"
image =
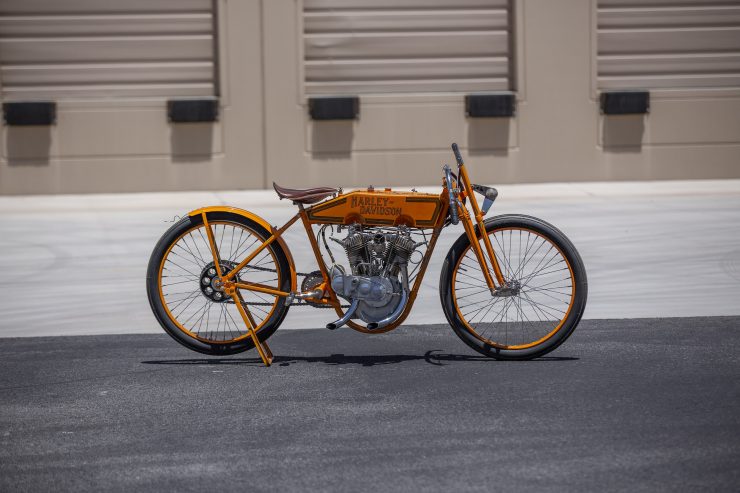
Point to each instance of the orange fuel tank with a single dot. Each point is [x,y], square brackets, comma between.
[381,208]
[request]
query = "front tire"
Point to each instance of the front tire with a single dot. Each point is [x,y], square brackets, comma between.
[546,296]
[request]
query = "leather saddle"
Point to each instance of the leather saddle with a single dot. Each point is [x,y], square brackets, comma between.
[304,196]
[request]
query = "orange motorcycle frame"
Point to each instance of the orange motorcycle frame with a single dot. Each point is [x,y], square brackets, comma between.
[369,208]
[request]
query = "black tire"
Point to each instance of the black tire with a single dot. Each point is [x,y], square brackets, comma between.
[168,321]
[561,250]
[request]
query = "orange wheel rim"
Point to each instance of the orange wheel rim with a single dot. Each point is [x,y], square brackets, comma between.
[188,303]
[540,309]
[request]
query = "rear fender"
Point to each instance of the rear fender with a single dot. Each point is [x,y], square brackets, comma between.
[254,217]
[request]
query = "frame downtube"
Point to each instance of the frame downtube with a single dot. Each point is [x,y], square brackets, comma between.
[317,254]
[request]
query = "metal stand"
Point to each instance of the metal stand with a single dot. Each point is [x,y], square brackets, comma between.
[262,348]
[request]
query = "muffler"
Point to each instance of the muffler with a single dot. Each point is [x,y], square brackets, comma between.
[348,314]
[393,316]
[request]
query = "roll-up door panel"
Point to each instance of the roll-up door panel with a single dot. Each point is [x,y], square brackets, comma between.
[323,70]
[59,92]
[310,5]
[473,20]
[109,49]
[361,46]
[110,25]
[105,73]
[698,63]
[72,49]
[436,85]
[664,3]
[669,41]
[668,44]
[413,45]
[101,6]
[674,81]
[718,15]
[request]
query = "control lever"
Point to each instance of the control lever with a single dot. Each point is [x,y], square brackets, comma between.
[454,219]
[489,195]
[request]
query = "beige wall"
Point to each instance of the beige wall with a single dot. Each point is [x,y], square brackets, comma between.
[264,133]
[128,145]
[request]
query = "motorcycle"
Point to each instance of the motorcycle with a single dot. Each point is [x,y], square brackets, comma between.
[513,287]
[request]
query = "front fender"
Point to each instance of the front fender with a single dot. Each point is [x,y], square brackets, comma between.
[254,217]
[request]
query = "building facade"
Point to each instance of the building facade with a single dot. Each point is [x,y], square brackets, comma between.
[149,95]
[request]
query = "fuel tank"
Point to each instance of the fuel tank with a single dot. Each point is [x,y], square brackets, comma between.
[381,208]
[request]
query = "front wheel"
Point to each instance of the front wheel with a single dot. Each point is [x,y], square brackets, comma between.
[542,302]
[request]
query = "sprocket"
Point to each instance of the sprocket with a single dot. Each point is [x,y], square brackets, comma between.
[311,281]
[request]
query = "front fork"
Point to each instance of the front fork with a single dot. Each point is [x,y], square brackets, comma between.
[467,221]
[474,241]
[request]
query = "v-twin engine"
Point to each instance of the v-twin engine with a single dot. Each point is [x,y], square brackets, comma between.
[378,285]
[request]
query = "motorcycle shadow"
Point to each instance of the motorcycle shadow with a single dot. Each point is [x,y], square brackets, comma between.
[432,357]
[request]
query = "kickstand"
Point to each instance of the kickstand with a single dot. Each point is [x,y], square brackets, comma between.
[262,348]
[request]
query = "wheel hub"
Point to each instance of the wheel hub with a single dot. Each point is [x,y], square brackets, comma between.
[211,285]
[510,288]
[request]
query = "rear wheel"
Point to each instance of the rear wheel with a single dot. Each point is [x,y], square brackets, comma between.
[544,296]
[185,295]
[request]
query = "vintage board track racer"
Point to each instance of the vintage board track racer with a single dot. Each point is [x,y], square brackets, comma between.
[221,280]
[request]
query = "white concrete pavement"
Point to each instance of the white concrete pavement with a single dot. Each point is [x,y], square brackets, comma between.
[75,264]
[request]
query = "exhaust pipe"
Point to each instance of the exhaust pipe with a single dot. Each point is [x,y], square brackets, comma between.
[393,316]
[346,317]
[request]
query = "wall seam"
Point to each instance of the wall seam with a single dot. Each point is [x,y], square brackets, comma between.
[263,90]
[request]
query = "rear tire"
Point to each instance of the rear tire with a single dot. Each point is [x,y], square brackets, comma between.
[208,325]
[536,317]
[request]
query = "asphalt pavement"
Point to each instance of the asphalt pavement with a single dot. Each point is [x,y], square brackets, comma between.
[623,405]
[94,397]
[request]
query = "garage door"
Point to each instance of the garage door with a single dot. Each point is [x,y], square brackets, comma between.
[80,49]
[664,44]
[384,46]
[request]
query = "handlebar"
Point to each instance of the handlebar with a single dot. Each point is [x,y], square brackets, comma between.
[454,219]
[458,156]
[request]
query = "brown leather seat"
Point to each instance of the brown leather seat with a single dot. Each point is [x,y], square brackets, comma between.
[304,196]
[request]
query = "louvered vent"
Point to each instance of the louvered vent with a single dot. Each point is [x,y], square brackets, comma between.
[83,49]
[663,44]
[388,46]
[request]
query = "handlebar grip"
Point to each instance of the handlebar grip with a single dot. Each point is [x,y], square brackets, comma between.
[458,157]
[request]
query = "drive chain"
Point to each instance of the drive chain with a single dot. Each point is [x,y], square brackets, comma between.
[297,303]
